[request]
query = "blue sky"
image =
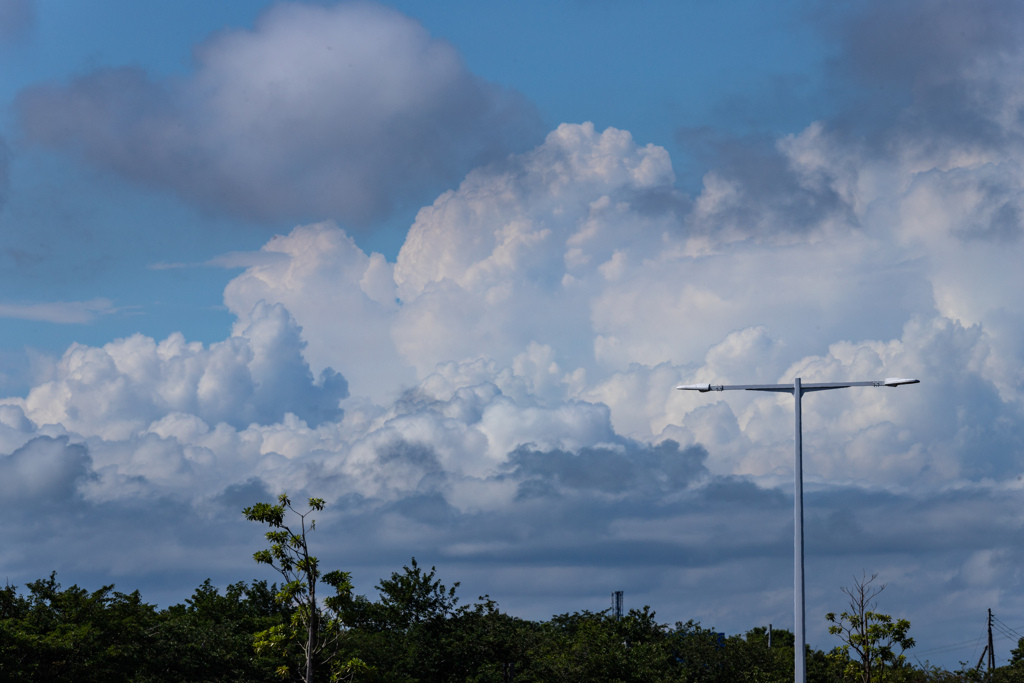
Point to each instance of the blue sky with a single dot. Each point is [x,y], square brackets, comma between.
[444,263]
[674,66]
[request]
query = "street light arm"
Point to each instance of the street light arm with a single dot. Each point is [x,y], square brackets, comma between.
[743,387]
[809,386]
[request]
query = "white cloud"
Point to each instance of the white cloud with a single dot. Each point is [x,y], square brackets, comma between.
[234,259]
[549,302]
[344,301]
[316,112]
[513,374]
[119,389]
[514,255]
[64,312]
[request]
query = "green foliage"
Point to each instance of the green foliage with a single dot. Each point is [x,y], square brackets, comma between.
[707,656]
[210,636]
[417,631]
[416,597]
[412,632]
[71,634]
[496,647]
[1014,673]
[588,646]
[55,634]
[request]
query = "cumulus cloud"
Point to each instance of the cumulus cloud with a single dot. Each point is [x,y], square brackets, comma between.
[516,364]
[124,386]
[548,225]
[315,112]
[512,375]
[550,280]
[551,225]
[319,268]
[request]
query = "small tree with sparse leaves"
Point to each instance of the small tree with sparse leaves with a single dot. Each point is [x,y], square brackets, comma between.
[870,638]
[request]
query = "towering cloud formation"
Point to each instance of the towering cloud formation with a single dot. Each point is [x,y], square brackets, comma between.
[514,367]
[517,363]
[551,303]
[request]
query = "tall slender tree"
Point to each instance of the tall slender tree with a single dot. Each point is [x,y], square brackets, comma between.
[317,626]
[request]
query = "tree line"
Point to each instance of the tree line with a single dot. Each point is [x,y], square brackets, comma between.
[416,630]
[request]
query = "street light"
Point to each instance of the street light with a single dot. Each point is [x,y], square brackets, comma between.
[798,390]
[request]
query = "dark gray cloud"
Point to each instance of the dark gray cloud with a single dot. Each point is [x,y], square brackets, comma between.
[713,548]
[165,545]
[768,194]
[317,112]
[720,551]
[410,462]
[919,45]
[929,69]
[243,494]
[637,469]
[850,521]
[45,468]
[995,200]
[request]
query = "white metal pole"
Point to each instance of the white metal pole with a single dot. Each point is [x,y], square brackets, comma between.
[800,664]
[797,389]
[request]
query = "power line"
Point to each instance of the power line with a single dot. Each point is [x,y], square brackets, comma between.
[953,646]
[941,649]
[1004,633]
[1008,628]
[1000,629]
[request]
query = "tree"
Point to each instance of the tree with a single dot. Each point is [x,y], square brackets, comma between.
[596,646]
[70,634]
[415,597]
[289,554]
[209,638]
[870,636]
[1014,671]
[412,632]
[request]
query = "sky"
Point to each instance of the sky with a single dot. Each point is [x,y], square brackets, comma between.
[443,264]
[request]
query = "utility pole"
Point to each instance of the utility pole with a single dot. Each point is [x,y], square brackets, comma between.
[617,604]
[991,652]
